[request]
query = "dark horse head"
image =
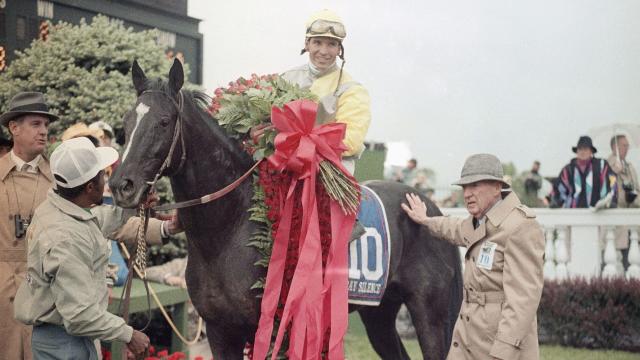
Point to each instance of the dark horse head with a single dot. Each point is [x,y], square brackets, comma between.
[149,129]
[165,126]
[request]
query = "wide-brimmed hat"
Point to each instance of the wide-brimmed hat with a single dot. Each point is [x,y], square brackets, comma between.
[80,129]
[30,102]
[101,125]
[481,167]
[584,141]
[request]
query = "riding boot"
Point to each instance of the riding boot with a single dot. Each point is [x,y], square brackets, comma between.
[358,231]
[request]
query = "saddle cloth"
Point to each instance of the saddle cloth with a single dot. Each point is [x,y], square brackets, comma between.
[369,255]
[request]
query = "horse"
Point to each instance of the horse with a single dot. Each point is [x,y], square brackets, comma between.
[169,133]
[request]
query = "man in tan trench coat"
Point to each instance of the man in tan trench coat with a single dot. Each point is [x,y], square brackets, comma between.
[503,265]
[25,178]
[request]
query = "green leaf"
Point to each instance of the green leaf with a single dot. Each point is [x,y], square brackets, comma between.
[262,262]
[259,284]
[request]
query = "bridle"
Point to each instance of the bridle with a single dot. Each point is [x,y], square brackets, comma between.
[178,135]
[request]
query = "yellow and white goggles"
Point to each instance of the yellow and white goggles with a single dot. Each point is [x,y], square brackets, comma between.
[326,28]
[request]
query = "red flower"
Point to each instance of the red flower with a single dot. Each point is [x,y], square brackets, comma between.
[162,353]
[106,354]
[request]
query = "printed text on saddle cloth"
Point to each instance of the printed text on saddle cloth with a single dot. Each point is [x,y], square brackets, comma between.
[369,255]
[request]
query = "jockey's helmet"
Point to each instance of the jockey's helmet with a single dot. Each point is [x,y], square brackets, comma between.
[325,23]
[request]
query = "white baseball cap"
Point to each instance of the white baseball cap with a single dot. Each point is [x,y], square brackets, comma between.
[76,161]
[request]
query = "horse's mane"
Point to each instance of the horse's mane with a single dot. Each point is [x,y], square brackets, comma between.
[200,102]
[199,98]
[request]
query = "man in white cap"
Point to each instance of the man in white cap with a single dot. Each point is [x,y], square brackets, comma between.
[503,265]
[64,295]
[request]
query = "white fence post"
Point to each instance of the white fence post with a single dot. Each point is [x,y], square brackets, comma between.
[634,256]
[610,256]
[549,256]
[586,251]
[562,257]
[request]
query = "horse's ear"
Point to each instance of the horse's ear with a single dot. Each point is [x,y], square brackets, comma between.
[176,76]
[138,76]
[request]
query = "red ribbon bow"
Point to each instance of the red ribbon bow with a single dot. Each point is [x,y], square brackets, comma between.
[317,298]
[299,144]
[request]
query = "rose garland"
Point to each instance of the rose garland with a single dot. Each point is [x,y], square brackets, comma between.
[248,103]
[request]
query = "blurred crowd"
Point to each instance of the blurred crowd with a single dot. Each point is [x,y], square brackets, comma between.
[586,181]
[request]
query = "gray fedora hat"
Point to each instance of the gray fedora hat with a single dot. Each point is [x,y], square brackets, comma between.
[481,167]
[30,102]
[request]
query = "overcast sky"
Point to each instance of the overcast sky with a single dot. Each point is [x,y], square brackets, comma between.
[519,79]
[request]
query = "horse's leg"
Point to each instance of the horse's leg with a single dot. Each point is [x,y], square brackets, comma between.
[225,343]
[430,323]
[380,323]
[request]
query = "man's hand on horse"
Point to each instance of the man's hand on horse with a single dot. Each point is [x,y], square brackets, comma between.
[258,131]
[417,209]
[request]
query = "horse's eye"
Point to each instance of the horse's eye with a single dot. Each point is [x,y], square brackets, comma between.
[164,121]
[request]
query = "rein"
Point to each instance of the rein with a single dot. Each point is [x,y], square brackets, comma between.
[139,263]
[209,197]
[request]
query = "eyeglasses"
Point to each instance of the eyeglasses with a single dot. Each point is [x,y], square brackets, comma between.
[320,27]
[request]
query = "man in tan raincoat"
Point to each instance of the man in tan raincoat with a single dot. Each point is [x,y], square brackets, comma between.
[503,265]
[25,178]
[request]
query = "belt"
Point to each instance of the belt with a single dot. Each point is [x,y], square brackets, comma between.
[479,297]
[49,325]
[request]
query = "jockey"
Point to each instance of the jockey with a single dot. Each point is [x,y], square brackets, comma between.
[341,98]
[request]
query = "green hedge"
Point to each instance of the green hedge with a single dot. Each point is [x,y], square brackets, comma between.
[597,314]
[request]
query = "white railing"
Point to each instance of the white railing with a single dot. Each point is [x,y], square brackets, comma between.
[580,242]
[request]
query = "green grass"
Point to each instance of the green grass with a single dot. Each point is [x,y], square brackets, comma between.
[357,347]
